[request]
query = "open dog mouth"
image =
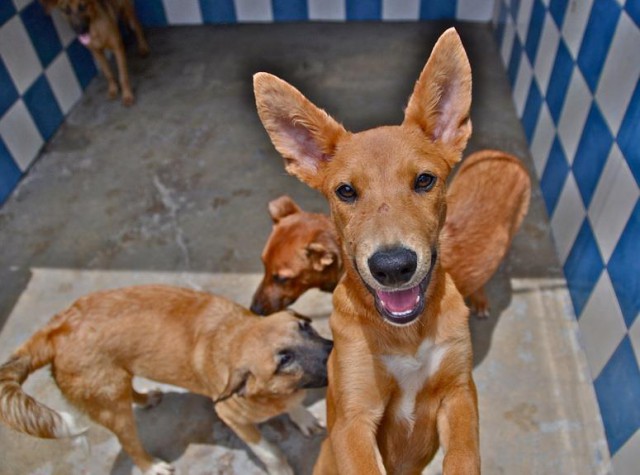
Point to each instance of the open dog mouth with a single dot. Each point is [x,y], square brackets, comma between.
[84,38]
[401,307]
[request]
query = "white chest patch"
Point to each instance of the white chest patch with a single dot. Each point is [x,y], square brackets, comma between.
[412,372]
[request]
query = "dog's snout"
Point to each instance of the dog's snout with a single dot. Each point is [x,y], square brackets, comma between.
[394,266]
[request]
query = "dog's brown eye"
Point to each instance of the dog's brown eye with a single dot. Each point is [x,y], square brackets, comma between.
[424,182]
[346,193]
[279,279]
[285,358]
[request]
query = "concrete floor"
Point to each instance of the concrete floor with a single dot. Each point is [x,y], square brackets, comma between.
[175,190]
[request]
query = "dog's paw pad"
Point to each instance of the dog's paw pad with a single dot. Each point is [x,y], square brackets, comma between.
[160,468]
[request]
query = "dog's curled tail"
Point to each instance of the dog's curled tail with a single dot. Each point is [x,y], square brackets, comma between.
[19,410]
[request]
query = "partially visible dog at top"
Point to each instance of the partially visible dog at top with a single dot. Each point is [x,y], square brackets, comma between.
[253,368]
[96,24]
[486,203]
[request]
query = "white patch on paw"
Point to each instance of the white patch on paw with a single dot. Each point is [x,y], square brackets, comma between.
[160,468]
[305,421]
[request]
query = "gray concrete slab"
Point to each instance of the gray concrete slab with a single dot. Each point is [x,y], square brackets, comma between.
[175,190]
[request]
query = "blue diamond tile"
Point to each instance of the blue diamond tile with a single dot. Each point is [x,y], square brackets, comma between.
[430,10]
[597,39]
[42,32]
[558,8]
[82,63]
[583,267]
[151,12]
[364,9]
[591,156]
[559,81]
[623,268]
[535,30]
[618,393]
[532,110]
[218,11]
[515,8]
[554,176]
[9,173]
[8,91]
[633,9]
[7,10]
[290,10]
[514,61]
[629,134]
[43,107]
[500,24]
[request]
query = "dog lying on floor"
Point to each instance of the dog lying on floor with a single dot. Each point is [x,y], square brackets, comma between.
[400,381]
[253,368]
[486,203]
[96,23]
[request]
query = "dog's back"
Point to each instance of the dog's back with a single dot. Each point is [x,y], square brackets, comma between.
[475,239]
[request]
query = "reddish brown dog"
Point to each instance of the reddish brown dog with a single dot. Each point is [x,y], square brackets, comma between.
[96,23]
[254,368]
[486,202]
[400,380]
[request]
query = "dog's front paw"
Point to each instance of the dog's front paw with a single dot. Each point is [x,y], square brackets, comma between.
[305,421]
[143,51]
[153,398]
[160,468]
[128,99]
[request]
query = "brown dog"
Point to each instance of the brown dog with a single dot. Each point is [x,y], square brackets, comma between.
[400,378]
[254,368]
[96,23]
[486,202]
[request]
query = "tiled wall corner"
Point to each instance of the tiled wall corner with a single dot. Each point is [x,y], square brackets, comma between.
[43,70]
[574,66]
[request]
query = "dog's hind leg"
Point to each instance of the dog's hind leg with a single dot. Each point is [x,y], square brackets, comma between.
[129,14]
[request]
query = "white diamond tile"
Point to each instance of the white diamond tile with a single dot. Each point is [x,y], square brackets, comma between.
[523,83]
[625,460]
[327,10]
[64,83]
[20,4]
[400,9]
[254,10]
[18,54]
[634,336]
[20,135]
[524,17]
[574,114]
[473,10]
[613,201]
[575,22]
[65,33]
[183,12]
[507,40]
[567,218]
[543,137]
[620,73]
[546,55]
[602,326]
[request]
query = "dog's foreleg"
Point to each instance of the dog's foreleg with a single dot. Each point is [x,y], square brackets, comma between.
[354,445]
[305,421]
[123,73]
[132,20]
[103,63]
[269,454]
[458,431]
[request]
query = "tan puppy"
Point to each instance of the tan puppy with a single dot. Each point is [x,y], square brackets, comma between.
[96,23]
[254,368]
[400,380]
[486,202]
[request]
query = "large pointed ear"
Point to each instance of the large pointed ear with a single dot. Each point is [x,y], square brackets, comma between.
[282,207]
[441,100]
[305,135]
[236,384]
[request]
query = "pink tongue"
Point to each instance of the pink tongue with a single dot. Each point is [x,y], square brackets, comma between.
[85,38]
[402,301]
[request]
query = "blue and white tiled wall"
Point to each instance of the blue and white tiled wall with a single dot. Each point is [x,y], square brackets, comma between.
[574,66]
[43,70]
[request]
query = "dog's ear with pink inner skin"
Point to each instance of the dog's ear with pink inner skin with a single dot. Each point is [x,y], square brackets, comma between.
[282,207]
[441,100]
[305,135]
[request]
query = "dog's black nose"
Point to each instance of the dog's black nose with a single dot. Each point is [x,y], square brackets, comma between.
[393,266]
